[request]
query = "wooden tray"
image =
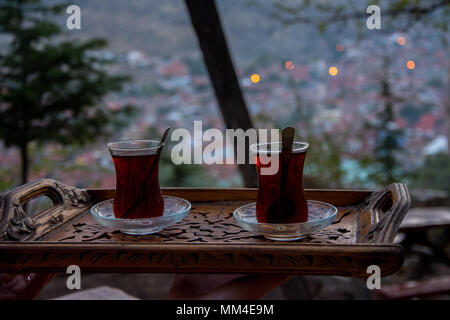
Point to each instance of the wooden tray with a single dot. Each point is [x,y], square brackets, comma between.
[207,241]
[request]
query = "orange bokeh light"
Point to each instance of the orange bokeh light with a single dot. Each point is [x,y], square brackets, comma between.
[410,64]
[255,78]
[289,65]
[401,41]
[333,71]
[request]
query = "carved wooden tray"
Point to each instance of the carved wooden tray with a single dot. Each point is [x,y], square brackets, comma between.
[207,240]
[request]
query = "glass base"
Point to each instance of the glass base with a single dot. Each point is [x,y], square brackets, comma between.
[320,216]
[142,232]
[283,238]
[175,210]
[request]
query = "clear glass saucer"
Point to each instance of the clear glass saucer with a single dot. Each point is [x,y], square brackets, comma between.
[175,210]
[320,216]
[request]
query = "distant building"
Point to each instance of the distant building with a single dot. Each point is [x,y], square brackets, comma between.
[138,59]
[175,68]
[300,72]
[426,123]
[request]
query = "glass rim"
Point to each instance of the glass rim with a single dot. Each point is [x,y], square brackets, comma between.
[255,148]
[134,147]
[110,144]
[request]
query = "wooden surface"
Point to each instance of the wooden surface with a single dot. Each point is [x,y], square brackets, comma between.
[16,225]
[208,239]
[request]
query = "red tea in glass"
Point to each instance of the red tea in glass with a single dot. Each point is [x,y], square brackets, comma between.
[138,194]
[281,196]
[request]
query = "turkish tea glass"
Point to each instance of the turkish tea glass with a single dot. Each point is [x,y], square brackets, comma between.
[281,196]
[138,194]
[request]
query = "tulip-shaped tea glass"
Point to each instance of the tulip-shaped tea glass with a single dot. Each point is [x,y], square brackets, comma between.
[281,211]
[138,208]
[281,197]
[138,194]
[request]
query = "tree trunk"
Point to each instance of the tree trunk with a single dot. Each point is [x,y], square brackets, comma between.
[206,22]
[24,162]
[447,109]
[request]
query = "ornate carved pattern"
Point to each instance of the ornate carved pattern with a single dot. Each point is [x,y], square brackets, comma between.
[382,213]
[306,260]
[16,225]
[19,226]
[208,222]
[208,240]
[73,196]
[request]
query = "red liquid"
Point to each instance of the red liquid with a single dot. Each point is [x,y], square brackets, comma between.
[138,194]
[282,201]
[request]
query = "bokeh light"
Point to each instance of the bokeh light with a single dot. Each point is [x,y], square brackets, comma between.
[333,71]
[255,78]
[410,64]
[401,41]
[289,65]
[339,47]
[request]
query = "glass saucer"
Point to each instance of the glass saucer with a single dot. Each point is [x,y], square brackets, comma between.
[175,210]
[320,216]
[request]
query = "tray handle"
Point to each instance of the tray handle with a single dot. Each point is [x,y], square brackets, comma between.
[387,209]
[17,225]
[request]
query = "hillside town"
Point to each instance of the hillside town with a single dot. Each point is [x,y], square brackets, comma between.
[176,91]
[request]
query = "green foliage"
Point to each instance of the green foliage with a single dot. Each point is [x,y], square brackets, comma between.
[183,175]
[153,89]
[7,179]
[196,66]
[387,138]
[323,167]
[433,174]
[51,90]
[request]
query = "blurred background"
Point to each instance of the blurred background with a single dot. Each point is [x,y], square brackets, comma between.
[373,104]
